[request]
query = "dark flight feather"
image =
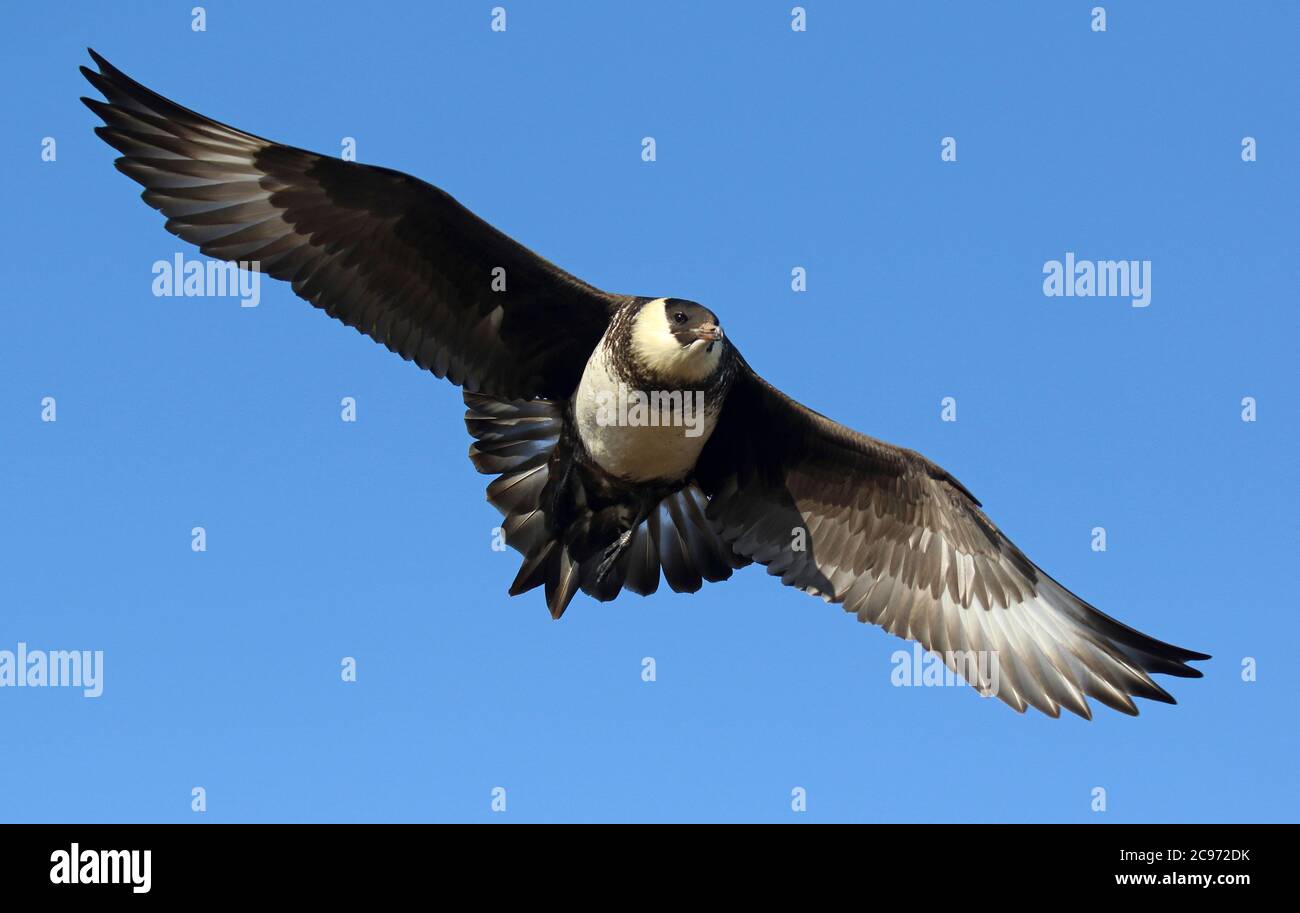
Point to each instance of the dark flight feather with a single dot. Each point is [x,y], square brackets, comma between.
[899,542]
[385,253]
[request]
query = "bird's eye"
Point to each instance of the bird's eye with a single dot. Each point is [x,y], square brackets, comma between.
[679,317]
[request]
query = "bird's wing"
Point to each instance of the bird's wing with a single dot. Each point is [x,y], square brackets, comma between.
[899,542]
[387,254]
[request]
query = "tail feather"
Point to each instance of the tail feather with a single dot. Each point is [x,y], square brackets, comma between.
[521,488]
[562,579]
[642,574]
[673,555]
[533,570]
[517,441]
[509,434]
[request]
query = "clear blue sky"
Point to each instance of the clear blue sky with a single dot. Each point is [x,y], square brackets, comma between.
[775,150]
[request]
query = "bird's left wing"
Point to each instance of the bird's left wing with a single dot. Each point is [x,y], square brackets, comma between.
[899,542]
[385,253]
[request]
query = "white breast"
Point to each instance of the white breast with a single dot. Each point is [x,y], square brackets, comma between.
[613,422]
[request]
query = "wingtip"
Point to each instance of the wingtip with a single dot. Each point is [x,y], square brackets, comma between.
[99,80]
[1079,706]
[98,105]
[1182,670]
[1163,697]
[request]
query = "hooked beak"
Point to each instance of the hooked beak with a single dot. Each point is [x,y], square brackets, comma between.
[709,331]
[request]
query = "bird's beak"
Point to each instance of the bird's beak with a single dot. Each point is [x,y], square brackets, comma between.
[710,331]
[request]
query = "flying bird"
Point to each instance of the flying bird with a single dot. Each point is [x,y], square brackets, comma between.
[626,434]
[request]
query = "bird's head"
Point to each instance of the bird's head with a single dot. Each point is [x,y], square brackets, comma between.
[678,339]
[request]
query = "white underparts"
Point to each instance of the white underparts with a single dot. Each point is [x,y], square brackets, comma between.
[644,435]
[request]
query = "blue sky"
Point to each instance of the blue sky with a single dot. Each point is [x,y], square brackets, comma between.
[775,149]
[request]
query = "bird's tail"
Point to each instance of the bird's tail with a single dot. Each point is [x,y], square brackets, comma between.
[522,443]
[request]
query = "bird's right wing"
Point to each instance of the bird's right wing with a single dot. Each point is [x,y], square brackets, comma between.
[899,542]
[385,253]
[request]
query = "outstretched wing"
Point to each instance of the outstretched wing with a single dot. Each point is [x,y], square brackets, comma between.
[899,542]
[387,254]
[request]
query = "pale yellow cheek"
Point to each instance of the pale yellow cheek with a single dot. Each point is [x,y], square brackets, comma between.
[658,349]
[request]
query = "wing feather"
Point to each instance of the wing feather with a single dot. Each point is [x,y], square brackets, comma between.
[902,544]
[387,254]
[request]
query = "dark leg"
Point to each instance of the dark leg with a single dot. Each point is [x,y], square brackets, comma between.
[616,548]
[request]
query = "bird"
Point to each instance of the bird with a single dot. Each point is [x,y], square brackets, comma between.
[628,437]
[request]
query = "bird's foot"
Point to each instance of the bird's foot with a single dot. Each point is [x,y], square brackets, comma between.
[612,553]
